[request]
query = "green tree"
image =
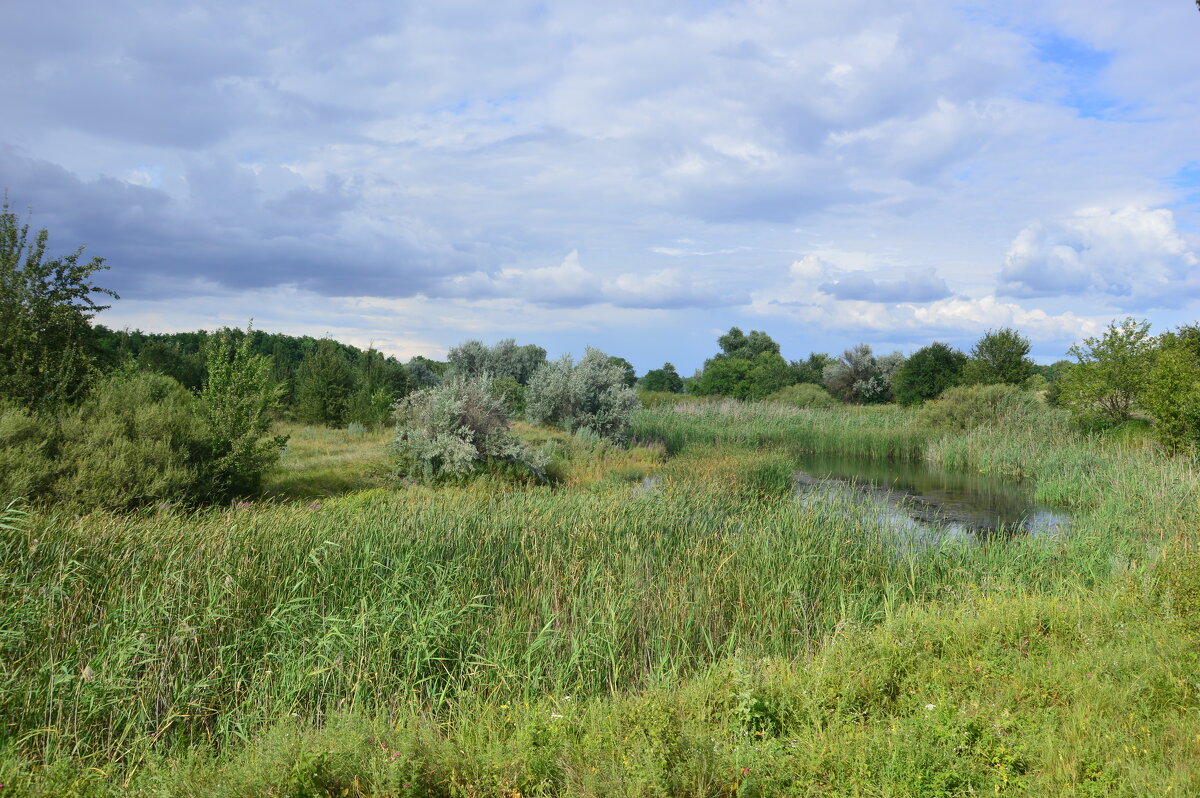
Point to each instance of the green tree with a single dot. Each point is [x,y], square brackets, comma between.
[324,384]
[237,402]
[46,354]
[1172,392]
[927,372]
[721,377]
[627,372]
[812,369]
[665,379]
[736,344]
[1000,356]
[1110,372]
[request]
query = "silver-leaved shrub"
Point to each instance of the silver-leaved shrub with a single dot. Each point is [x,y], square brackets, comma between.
[591,394]
[451,431]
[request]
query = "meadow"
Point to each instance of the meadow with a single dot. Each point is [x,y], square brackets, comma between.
[700,633]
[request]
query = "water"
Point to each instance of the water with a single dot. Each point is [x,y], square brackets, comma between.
[918,497]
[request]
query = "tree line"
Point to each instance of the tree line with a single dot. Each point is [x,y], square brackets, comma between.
[109,417]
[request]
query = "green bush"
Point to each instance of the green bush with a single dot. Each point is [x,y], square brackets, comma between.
[27,447]
[135,440]
[804,394]
[452,430]
[970,406]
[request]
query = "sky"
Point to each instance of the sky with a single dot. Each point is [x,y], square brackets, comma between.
[637,177]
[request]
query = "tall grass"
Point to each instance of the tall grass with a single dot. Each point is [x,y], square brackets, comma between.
[128,638]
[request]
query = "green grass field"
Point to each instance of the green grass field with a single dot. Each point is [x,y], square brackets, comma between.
[703,635]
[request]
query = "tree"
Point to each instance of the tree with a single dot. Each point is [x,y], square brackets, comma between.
[812,369]
[590,395]
[46,357]
[860,377]
[747,367]
[324,384]
[237,402]
[1110,372]
[736,344]
[665,379]
[1000,356]
[475,359]
[927,373]
[627,372]
[1172,392]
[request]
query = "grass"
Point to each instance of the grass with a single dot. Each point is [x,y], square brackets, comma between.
[708,636]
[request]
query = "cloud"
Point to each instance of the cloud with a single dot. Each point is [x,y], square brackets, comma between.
[816,276]
[805,298]
[570,285]
[1133,258]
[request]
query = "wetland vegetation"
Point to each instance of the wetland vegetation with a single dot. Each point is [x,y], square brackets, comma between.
[223,573]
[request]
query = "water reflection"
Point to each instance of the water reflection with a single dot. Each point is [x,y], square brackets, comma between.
[912,492]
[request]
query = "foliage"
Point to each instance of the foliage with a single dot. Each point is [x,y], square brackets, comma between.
[970,406]
[324,384]
[137,439]
[804,394]
[706,635]
[1110,373]
[45,304]
[927,373]
[742,378]
[473,359]
[811,369]
[450,431]
[28,451]
[736,344]
[425,373]
[1172,391]
[665,379]
[860,377]
[236,402]
[627,372]
[1000,356]
[511,393]
[589,395]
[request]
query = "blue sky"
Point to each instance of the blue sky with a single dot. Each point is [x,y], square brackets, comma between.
[637,177]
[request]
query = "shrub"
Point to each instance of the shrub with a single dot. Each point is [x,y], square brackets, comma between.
[859,376]
[970,406]
[1172,395]
[27,464]
[804,394]
[589,395]
[138,438]
[325,382]
[452,430]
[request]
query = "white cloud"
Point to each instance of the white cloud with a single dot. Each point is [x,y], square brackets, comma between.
[1132,258]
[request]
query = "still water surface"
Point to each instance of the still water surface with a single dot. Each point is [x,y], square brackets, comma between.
[914,494]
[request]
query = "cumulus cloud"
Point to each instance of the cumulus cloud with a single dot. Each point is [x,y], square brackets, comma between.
[819,278]
[1135,258]
[804,297]
[570,285]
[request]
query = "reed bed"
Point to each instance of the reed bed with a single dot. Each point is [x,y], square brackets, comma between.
[184,634]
